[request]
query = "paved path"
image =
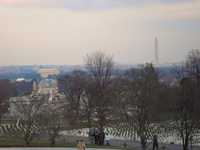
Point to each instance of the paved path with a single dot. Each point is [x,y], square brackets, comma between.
[49,149]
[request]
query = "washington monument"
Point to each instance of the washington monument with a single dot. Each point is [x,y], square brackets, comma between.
[156,51]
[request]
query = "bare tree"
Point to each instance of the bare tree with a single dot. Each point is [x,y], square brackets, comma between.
[187,104]
[5,93]
[27,110]
[186,112]
[138,114]
[88,103]
[74,84]
[146,86]
[100,68]
[193,65]
[51,121]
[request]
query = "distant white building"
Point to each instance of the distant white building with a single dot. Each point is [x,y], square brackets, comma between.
[20,79]
[45,72]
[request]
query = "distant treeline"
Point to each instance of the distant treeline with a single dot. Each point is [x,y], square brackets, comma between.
[15,72]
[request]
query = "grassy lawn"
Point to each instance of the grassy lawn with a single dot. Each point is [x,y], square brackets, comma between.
[18,142]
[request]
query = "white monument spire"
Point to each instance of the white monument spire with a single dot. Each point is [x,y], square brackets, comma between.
[156,51]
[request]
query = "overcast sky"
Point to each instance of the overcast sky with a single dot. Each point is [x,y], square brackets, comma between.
[64,31]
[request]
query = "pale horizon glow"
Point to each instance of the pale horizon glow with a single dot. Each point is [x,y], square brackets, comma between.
[34,32]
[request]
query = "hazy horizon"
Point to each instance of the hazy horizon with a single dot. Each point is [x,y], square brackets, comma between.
[61,32]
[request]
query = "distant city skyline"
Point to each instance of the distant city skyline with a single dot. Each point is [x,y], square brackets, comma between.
[34,32]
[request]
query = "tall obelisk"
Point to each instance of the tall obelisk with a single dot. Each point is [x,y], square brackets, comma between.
[156,51]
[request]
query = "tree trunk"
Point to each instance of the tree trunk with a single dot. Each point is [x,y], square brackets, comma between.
[27,141]
[143,142]
[28,138]
[52,138]
[191,143]
[89,121]
[185,143]
[185,147]
[52,142]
